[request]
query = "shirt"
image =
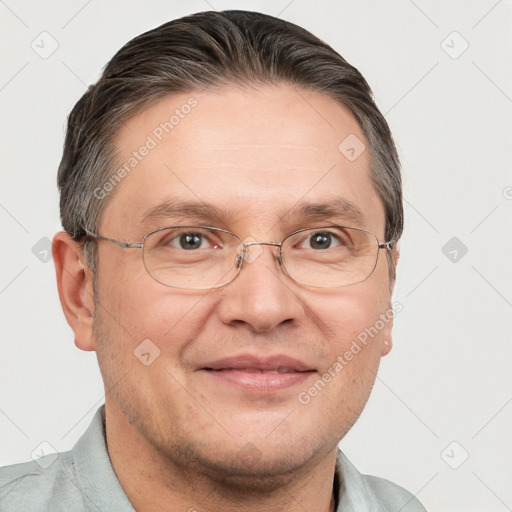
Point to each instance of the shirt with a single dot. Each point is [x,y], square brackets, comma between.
[83,479]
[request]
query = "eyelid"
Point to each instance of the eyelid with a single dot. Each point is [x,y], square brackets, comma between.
[304,237]
[209,236]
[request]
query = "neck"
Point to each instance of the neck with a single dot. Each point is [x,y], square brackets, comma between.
[154,482]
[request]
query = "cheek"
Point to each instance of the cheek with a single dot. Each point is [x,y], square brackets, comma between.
[142,330]
[347,315]
[141,339]
[355,326]
[170,321]
[140,308]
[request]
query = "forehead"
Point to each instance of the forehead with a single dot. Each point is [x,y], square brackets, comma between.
[250,157]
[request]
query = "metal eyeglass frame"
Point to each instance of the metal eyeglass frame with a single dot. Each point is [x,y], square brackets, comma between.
[242,257]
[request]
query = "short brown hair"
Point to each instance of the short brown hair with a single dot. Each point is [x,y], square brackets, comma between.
[198,52]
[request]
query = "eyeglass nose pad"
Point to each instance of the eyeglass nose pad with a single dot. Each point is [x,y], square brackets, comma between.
[240,257]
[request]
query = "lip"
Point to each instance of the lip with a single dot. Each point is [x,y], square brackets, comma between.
[257,374]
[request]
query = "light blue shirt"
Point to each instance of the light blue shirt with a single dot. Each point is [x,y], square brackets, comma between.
[83,479]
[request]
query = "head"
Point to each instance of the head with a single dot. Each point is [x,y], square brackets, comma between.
[232,120]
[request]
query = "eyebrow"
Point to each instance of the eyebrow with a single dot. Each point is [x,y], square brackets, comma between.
[199,211]
[339,209]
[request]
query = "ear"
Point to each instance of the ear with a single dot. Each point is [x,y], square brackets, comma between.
[396,257]
[74,282]
[387,344]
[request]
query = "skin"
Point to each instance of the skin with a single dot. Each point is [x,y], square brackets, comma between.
[180,438]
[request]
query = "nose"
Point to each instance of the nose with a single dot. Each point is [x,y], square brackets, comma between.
[262,297]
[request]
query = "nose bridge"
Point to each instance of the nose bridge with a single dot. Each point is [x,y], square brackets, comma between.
[251,256]
[259,298]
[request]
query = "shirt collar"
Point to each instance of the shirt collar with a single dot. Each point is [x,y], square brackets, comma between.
[353,493]
[94,470]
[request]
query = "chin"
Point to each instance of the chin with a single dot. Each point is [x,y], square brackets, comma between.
[247,466]
[251,470]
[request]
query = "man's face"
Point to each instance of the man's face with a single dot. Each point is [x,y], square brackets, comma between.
[250,159]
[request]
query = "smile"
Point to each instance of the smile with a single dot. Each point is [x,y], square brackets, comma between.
[257,375]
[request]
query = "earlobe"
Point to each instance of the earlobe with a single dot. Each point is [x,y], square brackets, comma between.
[386,346]
[74,282]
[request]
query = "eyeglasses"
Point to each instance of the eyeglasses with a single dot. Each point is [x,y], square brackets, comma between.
[204,257]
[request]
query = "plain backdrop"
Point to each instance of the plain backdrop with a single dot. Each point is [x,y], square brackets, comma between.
[440,416]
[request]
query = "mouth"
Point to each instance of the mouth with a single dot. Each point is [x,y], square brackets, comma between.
[258,375]
[253,370]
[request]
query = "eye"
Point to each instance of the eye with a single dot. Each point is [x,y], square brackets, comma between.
[322,240]
[191,241]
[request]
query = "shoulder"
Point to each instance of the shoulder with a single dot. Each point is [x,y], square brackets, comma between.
[357,492]
[392,496]
[48,484]
[80,479]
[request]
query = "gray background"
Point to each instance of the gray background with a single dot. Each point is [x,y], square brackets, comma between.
[444,392]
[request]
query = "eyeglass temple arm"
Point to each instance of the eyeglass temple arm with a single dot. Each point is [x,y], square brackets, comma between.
[387,245]
[122,245]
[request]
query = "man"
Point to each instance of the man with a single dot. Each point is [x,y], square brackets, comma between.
[231,200]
